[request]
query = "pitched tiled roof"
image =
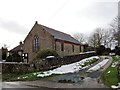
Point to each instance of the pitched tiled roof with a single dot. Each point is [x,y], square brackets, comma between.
[60,35]
[17,48]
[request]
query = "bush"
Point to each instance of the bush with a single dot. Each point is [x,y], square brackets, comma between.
[15,57]
[107,51]
[117,50]
[4,53]
[4,56]
[44,53]
[100,50]
[9,59]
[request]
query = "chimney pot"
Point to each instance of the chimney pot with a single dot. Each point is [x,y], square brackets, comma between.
[20,42]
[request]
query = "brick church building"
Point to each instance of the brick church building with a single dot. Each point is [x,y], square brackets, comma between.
[41,37]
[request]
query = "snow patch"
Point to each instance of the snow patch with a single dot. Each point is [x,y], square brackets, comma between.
[114,64]
[70,68]
[18,78]
[25,77]
[114,87]
[98,66]
[108,72]
[50,57]
[87,52]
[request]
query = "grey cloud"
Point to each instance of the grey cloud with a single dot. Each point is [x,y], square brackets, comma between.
[119,9]
[101,11]
[12,26]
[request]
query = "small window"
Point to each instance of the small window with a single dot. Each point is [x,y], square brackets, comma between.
[73,48]
[80,48]
[55,46]
[62,46]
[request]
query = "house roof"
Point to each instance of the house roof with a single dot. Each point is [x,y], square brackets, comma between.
[60,35]
[17,48]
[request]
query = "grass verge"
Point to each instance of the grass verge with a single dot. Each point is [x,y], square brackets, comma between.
[24,77]
[110,76]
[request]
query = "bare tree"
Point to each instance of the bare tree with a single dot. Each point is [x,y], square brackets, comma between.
[96,39]
[79,37]
[101,37]
[115,27]
[108,38]
[92,41]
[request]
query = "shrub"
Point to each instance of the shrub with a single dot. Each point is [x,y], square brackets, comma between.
[4,56]
[117,50]
[44,53]
[4,53]
[15,57]
[100,50]
[9,59]
[108,50]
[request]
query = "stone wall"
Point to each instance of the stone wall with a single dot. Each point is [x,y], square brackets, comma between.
[56,62]
[16,68]
[44,64]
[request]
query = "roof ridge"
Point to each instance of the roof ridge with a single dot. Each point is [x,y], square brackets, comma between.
[53,29]
[55,33]
[20,45]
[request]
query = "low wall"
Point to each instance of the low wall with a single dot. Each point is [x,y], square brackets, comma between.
[56,62]
[16,68]
[44,64]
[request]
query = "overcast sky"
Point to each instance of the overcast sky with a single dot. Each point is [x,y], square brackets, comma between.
[17,17]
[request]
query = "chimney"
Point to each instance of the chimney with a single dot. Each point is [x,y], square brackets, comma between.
[36,22]
[20,42]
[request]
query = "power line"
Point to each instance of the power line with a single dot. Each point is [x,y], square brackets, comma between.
[59,9]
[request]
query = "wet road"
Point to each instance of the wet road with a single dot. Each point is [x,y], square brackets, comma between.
[14,85]
[21,86]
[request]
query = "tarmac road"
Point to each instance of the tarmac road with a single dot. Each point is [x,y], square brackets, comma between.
[14,85]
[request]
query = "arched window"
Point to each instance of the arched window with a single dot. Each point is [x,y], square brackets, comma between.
[36,44]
